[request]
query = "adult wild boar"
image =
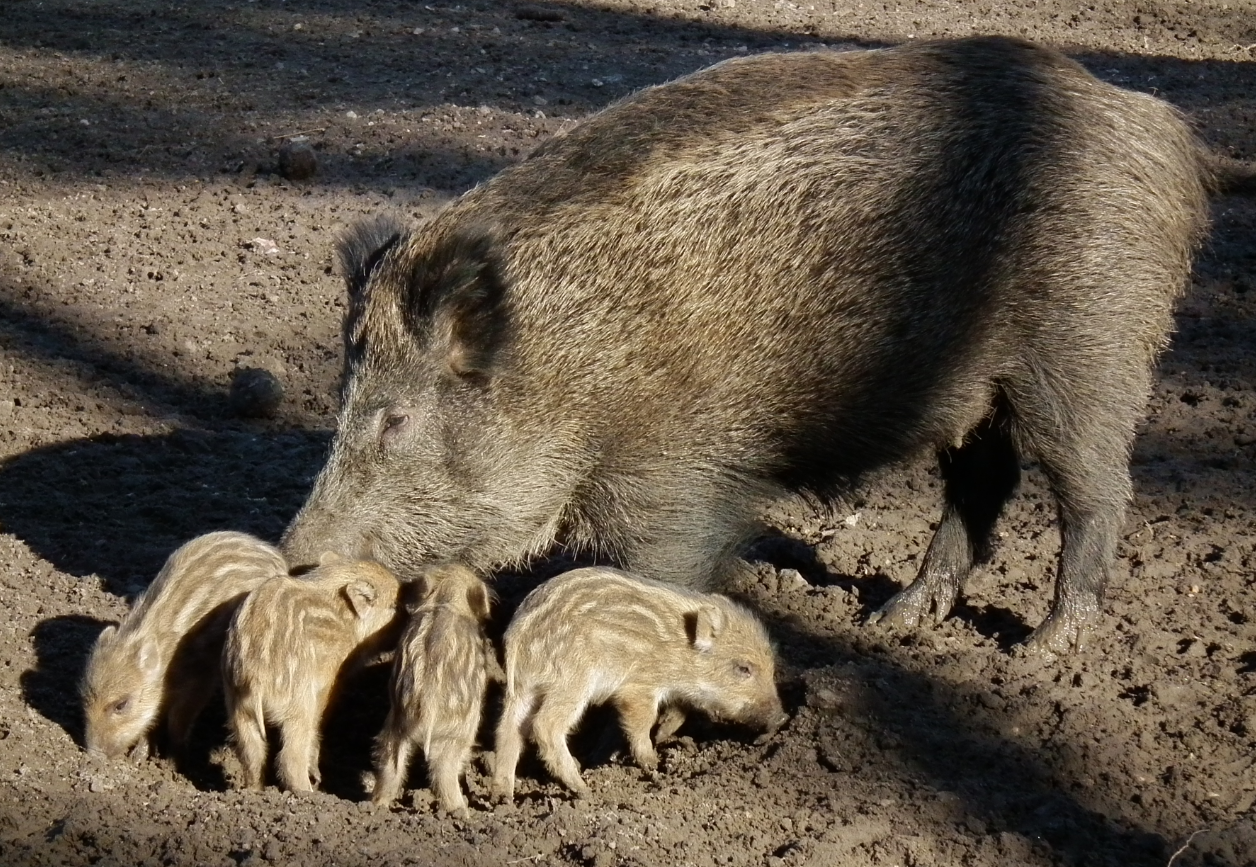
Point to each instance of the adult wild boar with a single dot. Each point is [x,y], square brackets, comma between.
[773,275]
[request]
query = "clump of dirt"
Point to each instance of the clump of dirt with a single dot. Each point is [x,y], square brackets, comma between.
[155,242]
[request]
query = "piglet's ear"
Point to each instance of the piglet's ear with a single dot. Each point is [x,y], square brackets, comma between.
[361,597]
[704,627]
[107,634]
[458,296]
[331,558]
[413,594]
[363,246]
[478,601]
[150,657]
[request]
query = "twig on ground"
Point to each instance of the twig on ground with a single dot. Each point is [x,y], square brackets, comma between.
[1183,847]
[299,132]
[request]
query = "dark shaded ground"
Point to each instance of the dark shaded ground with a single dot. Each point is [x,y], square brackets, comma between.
[138,209]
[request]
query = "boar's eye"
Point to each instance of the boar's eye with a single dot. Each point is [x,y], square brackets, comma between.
[394,423]
[120,706]
[745,670]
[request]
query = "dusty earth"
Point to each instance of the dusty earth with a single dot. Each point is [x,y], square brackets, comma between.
[148,248]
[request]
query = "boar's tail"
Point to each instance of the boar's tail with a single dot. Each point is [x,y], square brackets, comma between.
[1228,176]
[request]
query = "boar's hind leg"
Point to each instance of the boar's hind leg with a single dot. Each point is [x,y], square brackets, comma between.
[980,476]
[1093,488]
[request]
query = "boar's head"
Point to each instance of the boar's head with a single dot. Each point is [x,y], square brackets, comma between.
[424,466]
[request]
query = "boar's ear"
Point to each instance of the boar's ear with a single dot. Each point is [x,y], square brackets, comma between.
[361,597]
[478,601]
[704,626]
[363,246]
[459,290]
[107,634]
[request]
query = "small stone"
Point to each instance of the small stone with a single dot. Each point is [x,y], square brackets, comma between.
[352,115]
[255,393]
[792,579]
[265,246]
[297,160]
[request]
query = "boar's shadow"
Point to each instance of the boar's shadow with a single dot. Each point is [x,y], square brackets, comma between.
[116,506]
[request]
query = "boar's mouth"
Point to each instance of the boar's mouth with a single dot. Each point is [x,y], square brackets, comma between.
[303,548]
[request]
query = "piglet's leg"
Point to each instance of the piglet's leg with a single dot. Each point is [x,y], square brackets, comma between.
[550,727]
[297,761]
[637,713]
[248,730]
[446,759]
[670,721]
[392,759]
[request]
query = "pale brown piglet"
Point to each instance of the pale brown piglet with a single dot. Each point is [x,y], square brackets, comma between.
[288,648]
[443,664]
[592,636]
[162,660]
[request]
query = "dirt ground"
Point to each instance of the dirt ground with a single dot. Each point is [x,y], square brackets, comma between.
[148,247]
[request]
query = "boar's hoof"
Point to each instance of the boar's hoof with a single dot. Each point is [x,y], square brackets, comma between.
[913,605]
[1059,635]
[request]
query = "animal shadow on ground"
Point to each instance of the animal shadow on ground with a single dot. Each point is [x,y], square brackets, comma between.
[62,645]
[116,506]
[868,715]
[995,622]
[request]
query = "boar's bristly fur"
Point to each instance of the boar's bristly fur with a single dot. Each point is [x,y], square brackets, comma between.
[775,275]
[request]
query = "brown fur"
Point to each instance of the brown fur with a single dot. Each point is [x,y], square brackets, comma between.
[440,674]
[162,660]
[591,636]
[775,275]
[289,648]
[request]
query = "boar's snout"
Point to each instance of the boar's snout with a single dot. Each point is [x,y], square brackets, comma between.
[308,538]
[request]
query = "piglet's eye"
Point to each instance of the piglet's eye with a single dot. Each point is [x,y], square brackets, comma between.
[744,669]
[120,706]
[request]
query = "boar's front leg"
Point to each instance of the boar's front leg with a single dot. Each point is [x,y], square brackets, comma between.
[980,477]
